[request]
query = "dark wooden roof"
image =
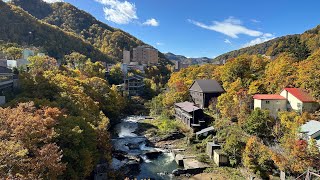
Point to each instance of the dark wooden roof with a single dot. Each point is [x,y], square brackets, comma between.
[206,86]
[187,106]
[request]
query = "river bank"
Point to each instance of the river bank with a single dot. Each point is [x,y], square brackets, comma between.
[135,156]
[142,149]
[173,135]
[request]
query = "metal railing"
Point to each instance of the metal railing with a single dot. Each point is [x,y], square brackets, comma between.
[309,175]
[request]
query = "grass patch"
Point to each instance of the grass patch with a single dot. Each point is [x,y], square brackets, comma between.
[226,173]
[203,157]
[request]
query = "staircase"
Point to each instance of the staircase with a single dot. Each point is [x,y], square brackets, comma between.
[309,175]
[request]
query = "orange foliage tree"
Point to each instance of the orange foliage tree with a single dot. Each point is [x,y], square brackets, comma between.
[27,149]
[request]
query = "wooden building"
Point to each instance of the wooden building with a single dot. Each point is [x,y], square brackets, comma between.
[203,91]
[189,114]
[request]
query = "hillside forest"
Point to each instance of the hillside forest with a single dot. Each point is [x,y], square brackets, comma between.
[253,138]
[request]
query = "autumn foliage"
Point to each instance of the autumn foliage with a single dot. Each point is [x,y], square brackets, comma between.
[270,143]
[27,147]
[57,127]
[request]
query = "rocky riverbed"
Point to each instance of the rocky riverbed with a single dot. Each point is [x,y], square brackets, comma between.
[138,157]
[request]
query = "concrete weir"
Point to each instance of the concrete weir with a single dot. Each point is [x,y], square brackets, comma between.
[189,163]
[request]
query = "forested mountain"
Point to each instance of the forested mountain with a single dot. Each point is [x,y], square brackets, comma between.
[300,45]
[61,28]
[185,60]
[22,28]
[108,40]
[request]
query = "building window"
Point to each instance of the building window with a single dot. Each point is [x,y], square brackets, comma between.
[267,102]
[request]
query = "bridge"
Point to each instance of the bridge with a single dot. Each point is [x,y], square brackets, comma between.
[7,78]
[6,84]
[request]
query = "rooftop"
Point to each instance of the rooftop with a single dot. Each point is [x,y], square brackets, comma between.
[300,94]
[187,106]
[310,127]
[208,129]
[206,86]
[268,97]
[213,144]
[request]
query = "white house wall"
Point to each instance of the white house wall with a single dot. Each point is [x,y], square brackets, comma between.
[292,100]
[257,103]
[274,106]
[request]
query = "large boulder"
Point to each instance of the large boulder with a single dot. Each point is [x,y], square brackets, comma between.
[153,154]
[133,146]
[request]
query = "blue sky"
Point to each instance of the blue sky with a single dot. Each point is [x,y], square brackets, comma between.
[204,27]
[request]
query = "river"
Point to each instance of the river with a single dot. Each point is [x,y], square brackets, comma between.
[128,141]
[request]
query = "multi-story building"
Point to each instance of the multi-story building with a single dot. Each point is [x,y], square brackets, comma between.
[126,57]
[133,85]
[18,63]
[145,55]
[7,82]
[203,91]
[178,65]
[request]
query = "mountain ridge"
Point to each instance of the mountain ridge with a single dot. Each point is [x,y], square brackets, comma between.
[300,45]
[173,57]
[22,28]
[110,41]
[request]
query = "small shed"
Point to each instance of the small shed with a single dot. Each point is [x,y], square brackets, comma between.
[205,132]
[179,159]
[220,158]
[211,146]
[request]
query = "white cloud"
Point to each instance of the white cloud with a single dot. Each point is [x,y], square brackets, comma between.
[159,44]
[151,22]
[265,37]
[227,41]
[119,12]
[231,27]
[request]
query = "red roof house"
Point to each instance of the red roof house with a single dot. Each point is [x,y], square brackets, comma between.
[300,94]
[299,100]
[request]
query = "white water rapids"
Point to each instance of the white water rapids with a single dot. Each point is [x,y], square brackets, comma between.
[135,145]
